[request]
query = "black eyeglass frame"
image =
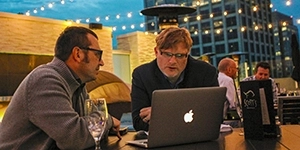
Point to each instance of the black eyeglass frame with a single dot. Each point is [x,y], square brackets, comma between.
[99,52]
[177,55]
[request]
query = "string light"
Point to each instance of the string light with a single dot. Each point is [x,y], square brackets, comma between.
[142,25]
[50,5]
[27,13]
[132,26]
[98,19]
[288,3]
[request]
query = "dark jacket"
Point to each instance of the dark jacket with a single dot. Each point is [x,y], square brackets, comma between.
[147,78]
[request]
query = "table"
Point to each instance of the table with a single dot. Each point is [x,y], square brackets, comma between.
[290,139]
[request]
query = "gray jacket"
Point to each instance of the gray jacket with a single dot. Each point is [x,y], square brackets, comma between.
[40,114]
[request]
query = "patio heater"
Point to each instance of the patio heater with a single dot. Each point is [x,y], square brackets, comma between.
[167,14]
[206,57]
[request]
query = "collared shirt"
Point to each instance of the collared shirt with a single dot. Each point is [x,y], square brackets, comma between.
[226,81]
[273,86]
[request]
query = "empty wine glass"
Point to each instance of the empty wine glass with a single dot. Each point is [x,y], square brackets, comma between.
[96,116]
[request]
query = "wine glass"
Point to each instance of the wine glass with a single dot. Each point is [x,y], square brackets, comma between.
[96,116]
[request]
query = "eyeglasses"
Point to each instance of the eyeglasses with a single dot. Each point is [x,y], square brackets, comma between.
[98,52]
[170,55]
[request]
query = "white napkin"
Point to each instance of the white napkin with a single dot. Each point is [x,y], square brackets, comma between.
[225,128]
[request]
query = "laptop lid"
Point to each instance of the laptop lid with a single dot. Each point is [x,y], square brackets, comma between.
[189,115]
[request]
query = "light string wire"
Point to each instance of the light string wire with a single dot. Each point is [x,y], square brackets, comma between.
[134,26]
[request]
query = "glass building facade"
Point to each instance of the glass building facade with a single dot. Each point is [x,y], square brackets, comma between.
[227,28]
[283,30]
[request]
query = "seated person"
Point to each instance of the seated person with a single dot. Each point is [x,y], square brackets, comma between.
[262,72]
[47,109]
[173,68]
[227,73]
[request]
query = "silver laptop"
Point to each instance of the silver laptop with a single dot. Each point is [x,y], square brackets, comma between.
[181,116]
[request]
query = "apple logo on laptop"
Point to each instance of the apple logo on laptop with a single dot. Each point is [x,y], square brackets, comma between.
[188,117]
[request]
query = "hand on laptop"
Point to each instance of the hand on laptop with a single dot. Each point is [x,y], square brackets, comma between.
[145,114]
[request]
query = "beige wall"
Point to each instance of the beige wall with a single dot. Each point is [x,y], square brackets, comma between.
[141,46]
[35,35]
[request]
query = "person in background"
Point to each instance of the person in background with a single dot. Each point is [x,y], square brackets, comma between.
[227,73]
[262,72]
[47,109]
[173,68]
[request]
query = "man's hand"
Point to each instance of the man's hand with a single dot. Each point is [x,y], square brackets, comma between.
[145,114]
[116,127]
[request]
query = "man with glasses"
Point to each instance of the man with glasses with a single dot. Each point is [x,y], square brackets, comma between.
[47,109]
[173,68]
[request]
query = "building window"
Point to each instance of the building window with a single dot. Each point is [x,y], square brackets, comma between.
[204,14]
[230,8]
[195,51]
[218,23]
[217,11]
[205,26]
[207,49]
[231,21]
[219,34]
[233,47]
[195,39]
[206,37]
[232,33]
[220,49]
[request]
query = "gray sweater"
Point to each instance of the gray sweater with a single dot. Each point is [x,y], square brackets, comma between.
[40,114]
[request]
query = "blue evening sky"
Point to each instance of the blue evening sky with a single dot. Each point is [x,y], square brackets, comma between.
[91,9]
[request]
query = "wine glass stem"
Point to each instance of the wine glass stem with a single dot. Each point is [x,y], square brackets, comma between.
[97,147]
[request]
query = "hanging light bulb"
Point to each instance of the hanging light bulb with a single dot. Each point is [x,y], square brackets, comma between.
[35,11]
[129,15]
[87,20]
[141,25]
[98,19]
[288,3]
[62,2]
[123,27]
[118,16]
[185,19]
[114,28]
[243,29]
[50,5]
[42,8]
[132,26]
[77,21]
[27,13]
[107,17]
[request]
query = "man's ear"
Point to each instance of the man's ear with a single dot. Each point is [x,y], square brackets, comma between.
[156,50]
[77,54]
